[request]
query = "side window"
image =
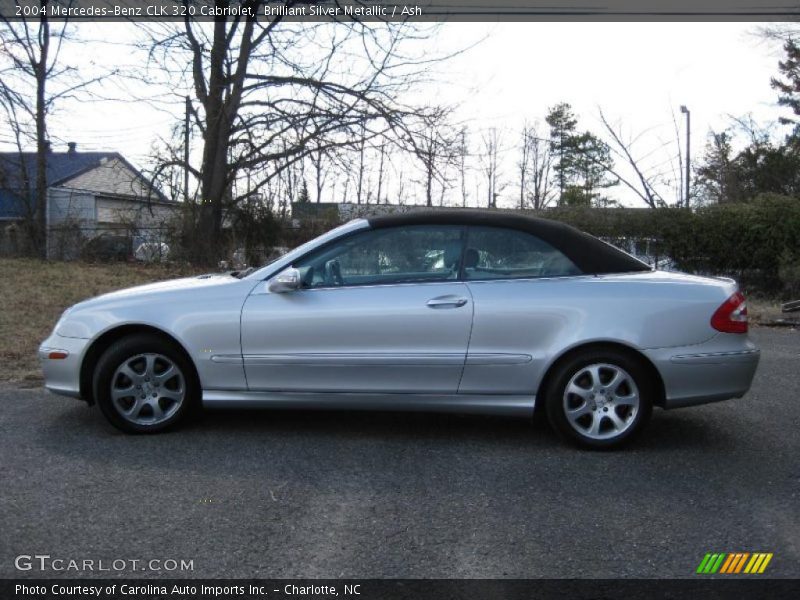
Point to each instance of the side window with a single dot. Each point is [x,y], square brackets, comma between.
[383,256]
[495,253]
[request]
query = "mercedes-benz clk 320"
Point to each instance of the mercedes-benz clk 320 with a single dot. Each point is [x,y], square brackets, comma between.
[462,311]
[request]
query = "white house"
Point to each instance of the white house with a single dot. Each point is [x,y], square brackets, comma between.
[89,194]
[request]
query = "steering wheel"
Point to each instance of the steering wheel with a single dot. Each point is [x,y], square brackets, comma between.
[333,273]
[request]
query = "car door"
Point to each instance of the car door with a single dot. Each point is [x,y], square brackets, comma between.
[379,311]
[524,294]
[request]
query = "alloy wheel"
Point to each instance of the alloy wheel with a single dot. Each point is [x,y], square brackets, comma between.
[148,389]
[601,401]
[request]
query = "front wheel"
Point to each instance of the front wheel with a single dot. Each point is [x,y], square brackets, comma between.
[144,384]
[600,399]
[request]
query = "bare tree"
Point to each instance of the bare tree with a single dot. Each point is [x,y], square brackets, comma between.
[321,169]
[345,198]
[490,166]
[382,155]
[401,189]
[646,178]
[524,163]
[433,142]
[12,105]
[779,32]
[541,193]
[361,147]
[257,84]
[534,167]
[463,153]
[33,79]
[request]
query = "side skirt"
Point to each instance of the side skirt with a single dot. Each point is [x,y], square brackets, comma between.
[482,404]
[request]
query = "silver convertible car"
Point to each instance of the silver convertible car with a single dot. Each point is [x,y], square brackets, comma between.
[464,311]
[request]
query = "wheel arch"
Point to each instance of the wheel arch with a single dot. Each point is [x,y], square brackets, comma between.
[104,341]
[631,351]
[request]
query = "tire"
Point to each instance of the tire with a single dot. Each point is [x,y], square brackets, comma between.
[600,399]
[145,384]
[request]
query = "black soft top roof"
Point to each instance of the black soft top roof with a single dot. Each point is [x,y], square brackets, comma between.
[589,254]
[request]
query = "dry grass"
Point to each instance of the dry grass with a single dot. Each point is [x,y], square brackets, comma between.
[763,311]
[35,293]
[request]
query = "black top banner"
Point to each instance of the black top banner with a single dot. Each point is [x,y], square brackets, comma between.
[386,10]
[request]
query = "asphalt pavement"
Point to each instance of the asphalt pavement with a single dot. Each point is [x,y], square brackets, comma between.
[298,494]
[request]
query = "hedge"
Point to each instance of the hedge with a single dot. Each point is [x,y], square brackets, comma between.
[756,242]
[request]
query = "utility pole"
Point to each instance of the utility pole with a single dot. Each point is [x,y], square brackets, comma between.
[186,151]
[560,165]
[685,111]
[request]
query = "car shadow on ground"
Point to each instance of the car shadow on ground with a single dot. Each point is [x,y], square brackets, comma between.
[379,453]
[668,431]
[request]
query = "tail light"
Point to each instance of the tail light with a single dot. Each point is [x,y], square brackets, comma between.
[731,317]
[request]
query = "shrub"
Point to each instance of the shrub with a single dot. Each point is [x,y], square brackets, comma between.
[756,242]
[789,273]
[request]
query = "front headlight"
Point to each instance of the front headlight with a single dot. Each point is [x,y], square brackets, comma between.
[61,319]
[64,328]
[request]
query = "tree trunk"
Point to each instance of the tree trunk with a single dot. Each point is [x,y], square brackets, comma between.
[221,104]
[380,173]
[40,211]
[429,182]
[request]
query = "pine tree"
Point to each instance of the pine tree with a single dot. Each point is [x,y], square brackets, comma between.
[303,196]
[583,160]
[562,124]
[790,87]
[717,174]
[589,165]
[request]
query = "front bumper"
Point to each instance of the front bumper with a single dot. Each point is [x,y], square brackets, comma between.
[62,375]
[720,369]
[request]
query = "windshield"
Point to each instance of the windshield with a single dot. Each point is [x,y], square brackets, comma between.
[309,245]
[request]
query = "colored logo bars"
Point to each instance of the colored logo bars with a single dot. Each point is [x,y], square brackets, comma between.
[734,562]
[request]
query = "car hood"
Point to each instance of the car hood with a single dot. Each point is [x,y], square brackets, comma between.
[153,304]
[161,288]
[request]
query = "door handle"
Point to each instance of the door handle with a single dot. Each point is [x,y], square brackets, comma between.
[446,302]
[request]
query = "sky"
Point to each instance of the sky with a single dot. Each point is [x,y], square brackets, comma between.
[636,70]
[638,73]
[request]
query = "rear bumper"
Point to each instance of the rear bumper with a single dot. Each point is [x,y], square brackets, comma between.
[719,369]
[62,375]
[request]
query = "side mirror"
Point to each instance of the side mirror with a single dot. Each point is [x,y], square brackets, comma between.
[287,280]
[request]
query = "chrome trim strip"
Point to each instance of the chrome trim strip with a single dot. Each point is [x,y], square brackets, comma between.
[228,359]
[354,359]
[451,281]
[380,359]
[507,405]
[717,357]
[487,358]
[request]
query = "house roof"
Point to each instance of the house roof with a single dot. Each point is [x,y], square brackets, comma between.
[590,255]
[61,167]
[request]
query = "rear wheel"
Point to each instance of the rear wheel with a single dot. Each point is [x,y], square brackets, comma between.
[144,384]
[600,398]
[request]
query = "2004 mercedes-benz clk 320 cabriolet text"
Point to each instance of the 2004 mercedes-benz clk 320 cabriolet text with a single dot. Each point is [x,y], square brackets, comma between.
[464,311]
